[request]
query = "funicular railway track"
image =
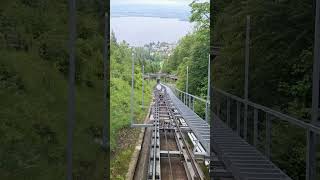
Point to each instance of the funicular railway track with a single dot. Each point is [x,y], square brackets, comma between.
[170,155]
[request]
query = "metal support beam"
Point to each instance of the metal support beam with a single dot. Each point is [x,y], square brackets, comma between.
[268,136]
[141,125]
[71,90]
[228,112]
[208,92]
[246,80]
[238,118]
[105,86]
[311,136]
[207,110]
[255,127]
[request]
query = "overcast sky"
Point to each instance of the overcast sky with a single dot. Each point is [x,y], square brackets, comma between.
[164,2]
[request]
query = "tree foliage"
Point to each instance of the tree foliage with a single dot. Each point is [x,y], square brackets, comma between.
[33,90]
[193,51]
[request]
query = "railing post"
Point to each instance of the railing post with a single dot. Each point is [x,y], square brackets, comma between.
[311,167]
[186,103]
[218,109]
[238,118]
[247,56]
[187,84]
[189,101]
[268,136]
[207,111]
[228,111]
[255,127]
[193,104]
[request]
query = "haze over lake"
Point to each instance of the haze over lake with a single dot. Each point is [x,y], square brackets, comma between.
[138,31]
[140,24]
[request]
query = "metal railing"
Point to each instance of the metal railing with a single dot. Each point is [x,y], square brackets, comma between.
[190,100]
[241,128]
[236,106]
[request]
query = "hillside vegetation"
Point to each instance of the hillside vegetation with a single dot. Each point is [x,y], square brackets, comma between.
[33,92]
[124,138]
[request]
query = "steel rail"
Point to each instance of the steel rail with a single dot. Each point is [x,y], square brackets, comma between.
[188,152]
[192,160]
[165,135]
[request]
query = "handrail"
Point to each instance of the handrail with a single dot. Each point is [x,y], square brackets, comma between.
[196,97]
[270,111]
[275,113]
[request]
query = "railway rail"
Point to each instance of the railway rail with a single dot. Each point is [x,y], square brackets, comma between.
[171,150]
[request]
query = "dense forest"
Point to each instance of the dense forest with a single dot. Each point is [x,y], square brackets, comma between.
[33,91]
[280,71]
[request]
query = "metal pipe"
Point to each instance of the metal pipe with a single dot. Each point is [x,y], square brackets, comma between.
[71,90]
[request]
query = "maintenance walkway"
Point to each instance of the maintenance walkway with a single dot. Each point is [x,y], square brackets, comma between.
[239,157]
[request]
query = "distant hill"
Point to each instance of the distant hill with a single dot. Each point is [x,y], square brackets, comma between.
[162,11]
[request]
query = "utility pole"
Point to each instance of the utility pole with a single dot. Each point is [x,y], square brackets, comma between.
[142,100]
[187,85]
[311,167]
[132,88]
[246,80]
[71,90]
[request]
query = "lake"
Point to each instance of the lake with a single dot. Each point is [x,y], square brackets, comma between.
[138,31]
